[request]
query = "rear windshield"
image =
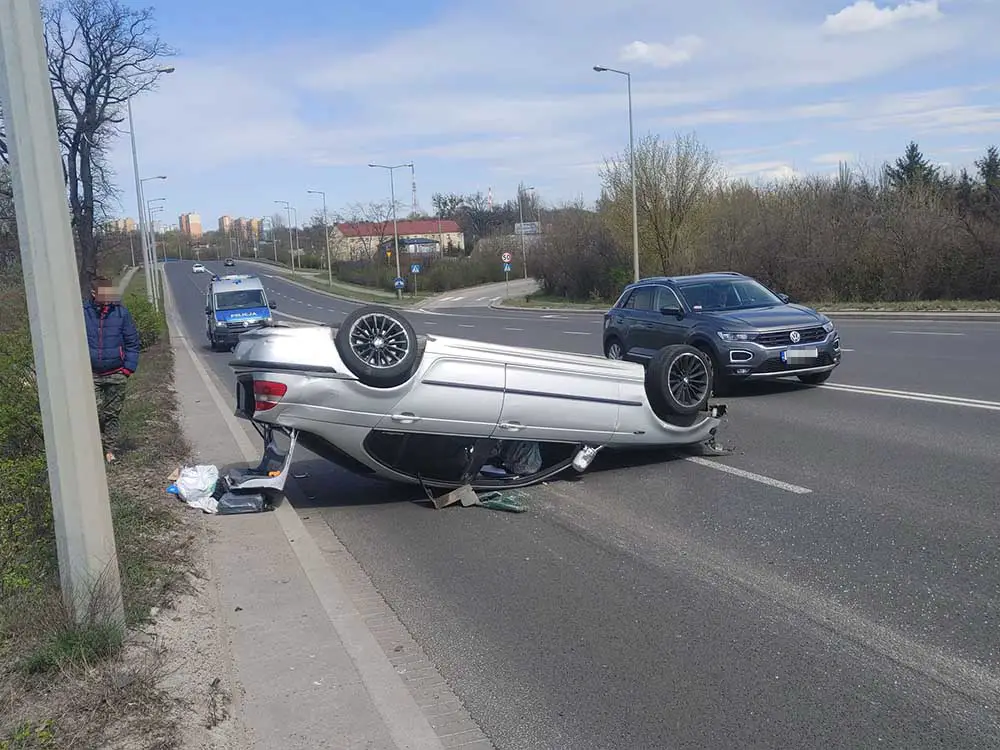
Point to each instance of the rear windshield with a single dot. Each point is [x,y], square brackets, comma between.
[244,299]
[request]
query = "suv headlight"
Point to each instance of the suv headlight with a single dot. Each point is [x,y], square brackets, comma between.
[220,323]
[736,335]
[828,326]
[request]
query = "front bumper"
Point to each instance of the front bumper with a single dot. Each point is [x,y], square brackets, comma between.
[748,360]
[231,334]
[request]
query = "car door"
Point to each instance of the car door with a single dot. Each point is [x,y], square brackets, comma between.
[644,319]
[559,401]
[453,396]
[665,330]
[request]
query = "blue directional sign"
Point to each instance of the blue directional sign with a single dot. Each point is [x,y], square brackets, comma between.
[399,283]
[414,268]
[506,267]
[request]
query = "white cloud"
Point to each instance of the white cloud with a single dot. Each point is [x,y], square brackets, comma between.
[680,51]
[864,16]
[764,170]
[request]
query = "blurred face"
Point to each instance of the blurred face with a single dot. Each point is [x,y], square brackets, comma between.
[105,294]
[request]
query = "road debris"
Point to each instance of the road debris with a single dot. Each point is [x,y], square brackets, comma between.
[510,501]
[201,487]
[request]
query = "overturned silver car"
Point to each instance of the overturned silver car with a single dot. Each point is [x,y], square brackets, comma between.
[376,398]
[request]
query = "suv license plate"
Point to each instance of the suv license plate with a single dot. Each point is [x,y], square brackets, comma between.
[799,355]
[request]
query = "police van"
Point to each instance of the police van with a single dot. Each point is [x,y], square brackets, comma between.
[233,305]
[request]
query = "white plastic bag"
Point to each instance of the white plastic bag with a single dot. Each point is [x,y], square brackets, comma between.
[195,485]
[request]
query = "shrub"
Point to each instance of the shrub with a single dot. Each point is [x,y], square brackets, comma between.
[436,274]
[150,323]
[578,258]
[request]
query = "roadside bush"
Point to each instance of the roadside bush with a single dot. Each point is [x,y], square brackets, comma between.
[26,542]
[578,258]
[150,323]
[436,274]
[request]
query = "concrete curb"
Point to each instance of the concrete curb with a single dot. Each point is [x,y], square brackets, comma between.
[859,314]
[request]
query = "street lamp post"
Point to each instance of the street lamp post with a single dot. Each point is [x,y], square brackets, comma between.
[395,226]
[138,190]
[326,233]
[631,151]
[520,211]
[291,246]
[152,290]
[78,485]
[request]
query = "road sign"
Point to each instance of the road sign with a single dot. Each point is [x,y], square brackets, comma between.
[399,283]
[506,267]
[506,257]
[528,227]
[414,268]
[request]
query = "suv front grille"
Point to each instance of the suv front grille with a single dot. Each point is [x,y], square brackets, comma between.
[783,338]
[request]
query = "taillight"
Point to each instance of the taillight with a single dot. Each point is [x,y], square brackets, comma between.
[267,394]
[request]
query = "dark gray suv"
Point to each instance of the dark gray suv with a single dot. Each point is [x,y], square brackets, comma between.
[747,331]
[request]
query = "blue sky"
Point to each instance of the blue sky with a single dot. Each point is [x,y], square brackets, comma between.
[271,100]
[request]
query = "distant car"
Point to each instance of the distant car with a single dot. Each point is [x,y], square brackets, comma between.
[377,399]
[230,262]
[198,268]
[745,330]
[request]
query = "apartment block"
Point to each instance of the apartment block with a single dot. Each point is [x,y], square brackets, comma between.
[190,225]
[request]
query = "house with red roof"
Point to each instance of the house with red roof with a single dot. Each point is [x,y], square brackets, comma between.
[361,240]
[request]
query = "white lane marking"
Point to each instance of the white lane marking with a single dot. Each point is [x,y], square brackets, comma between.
[931,398]
[926,333]
[301,320]
[749,475]
[555,317]
[578,333]
[465,325]
[847,350]
[513,329]
[482,299]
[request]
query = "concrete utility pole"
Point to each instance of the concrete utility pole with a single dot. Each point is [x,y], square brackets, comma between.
[85,540]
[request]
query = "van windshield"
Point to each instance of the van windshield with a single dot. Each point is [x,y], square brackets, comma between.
[244,299]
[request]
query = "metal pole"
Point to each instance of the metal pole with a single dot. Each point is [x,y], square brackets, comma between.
[520,210]
[138,198]
[291,245]
[395,227]
[131,248]
[85,540]
[326,234]
[635,204]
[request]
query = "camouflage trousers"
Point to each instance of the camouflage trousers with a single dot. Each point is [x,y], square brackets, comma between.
[110,393]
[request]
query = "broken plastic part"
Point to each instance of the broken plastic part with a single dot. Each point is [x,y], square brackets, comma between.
[233,503]
[584,457]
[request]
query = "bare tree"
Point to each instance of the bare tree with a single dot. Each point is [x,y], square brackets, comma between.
[369,240]
[101,53]
[673,180]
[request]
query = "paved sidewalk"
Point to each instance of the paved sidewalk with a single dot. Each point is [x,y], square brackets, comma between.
[309,673]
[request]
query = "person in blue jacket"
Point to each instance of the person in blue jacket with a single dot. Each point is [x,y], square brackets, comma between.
[113,341]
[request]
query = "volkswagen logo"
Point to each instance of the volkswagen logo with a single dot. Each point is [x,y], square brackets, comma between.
[795,336]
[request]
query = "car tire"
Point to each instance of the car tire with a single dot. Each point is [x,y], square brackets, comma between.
[721,385]
[378,345]
[679,380]
[610,346]
[815,378]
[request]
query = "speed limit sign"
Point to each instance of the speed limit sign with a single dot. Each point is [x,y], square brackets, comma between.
[506,257]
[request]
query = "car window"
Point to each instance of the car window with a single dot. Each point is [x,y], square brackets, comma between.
[242,299]
[641,299]
[665,297]
[736,294]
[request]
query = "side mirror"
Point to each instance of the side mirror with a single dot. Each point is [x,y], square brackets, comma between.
[675,311]
[784,298]
[208,310]
[273,305]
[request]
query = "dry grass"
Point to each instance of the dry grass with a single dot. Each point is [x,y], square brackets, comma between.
[93,686]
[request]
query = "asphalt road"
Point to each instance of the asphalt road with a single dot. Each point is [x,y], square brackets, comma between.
[833,583]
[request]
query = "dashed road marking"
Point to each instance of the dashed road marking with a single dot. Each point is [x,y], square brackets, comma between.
[760,478]
[513,329]
[578,333]
[465,325]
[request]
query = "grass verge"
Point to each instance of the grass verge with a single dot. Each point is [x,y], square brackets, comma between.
[87,686]
[351,291]
[546,302]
